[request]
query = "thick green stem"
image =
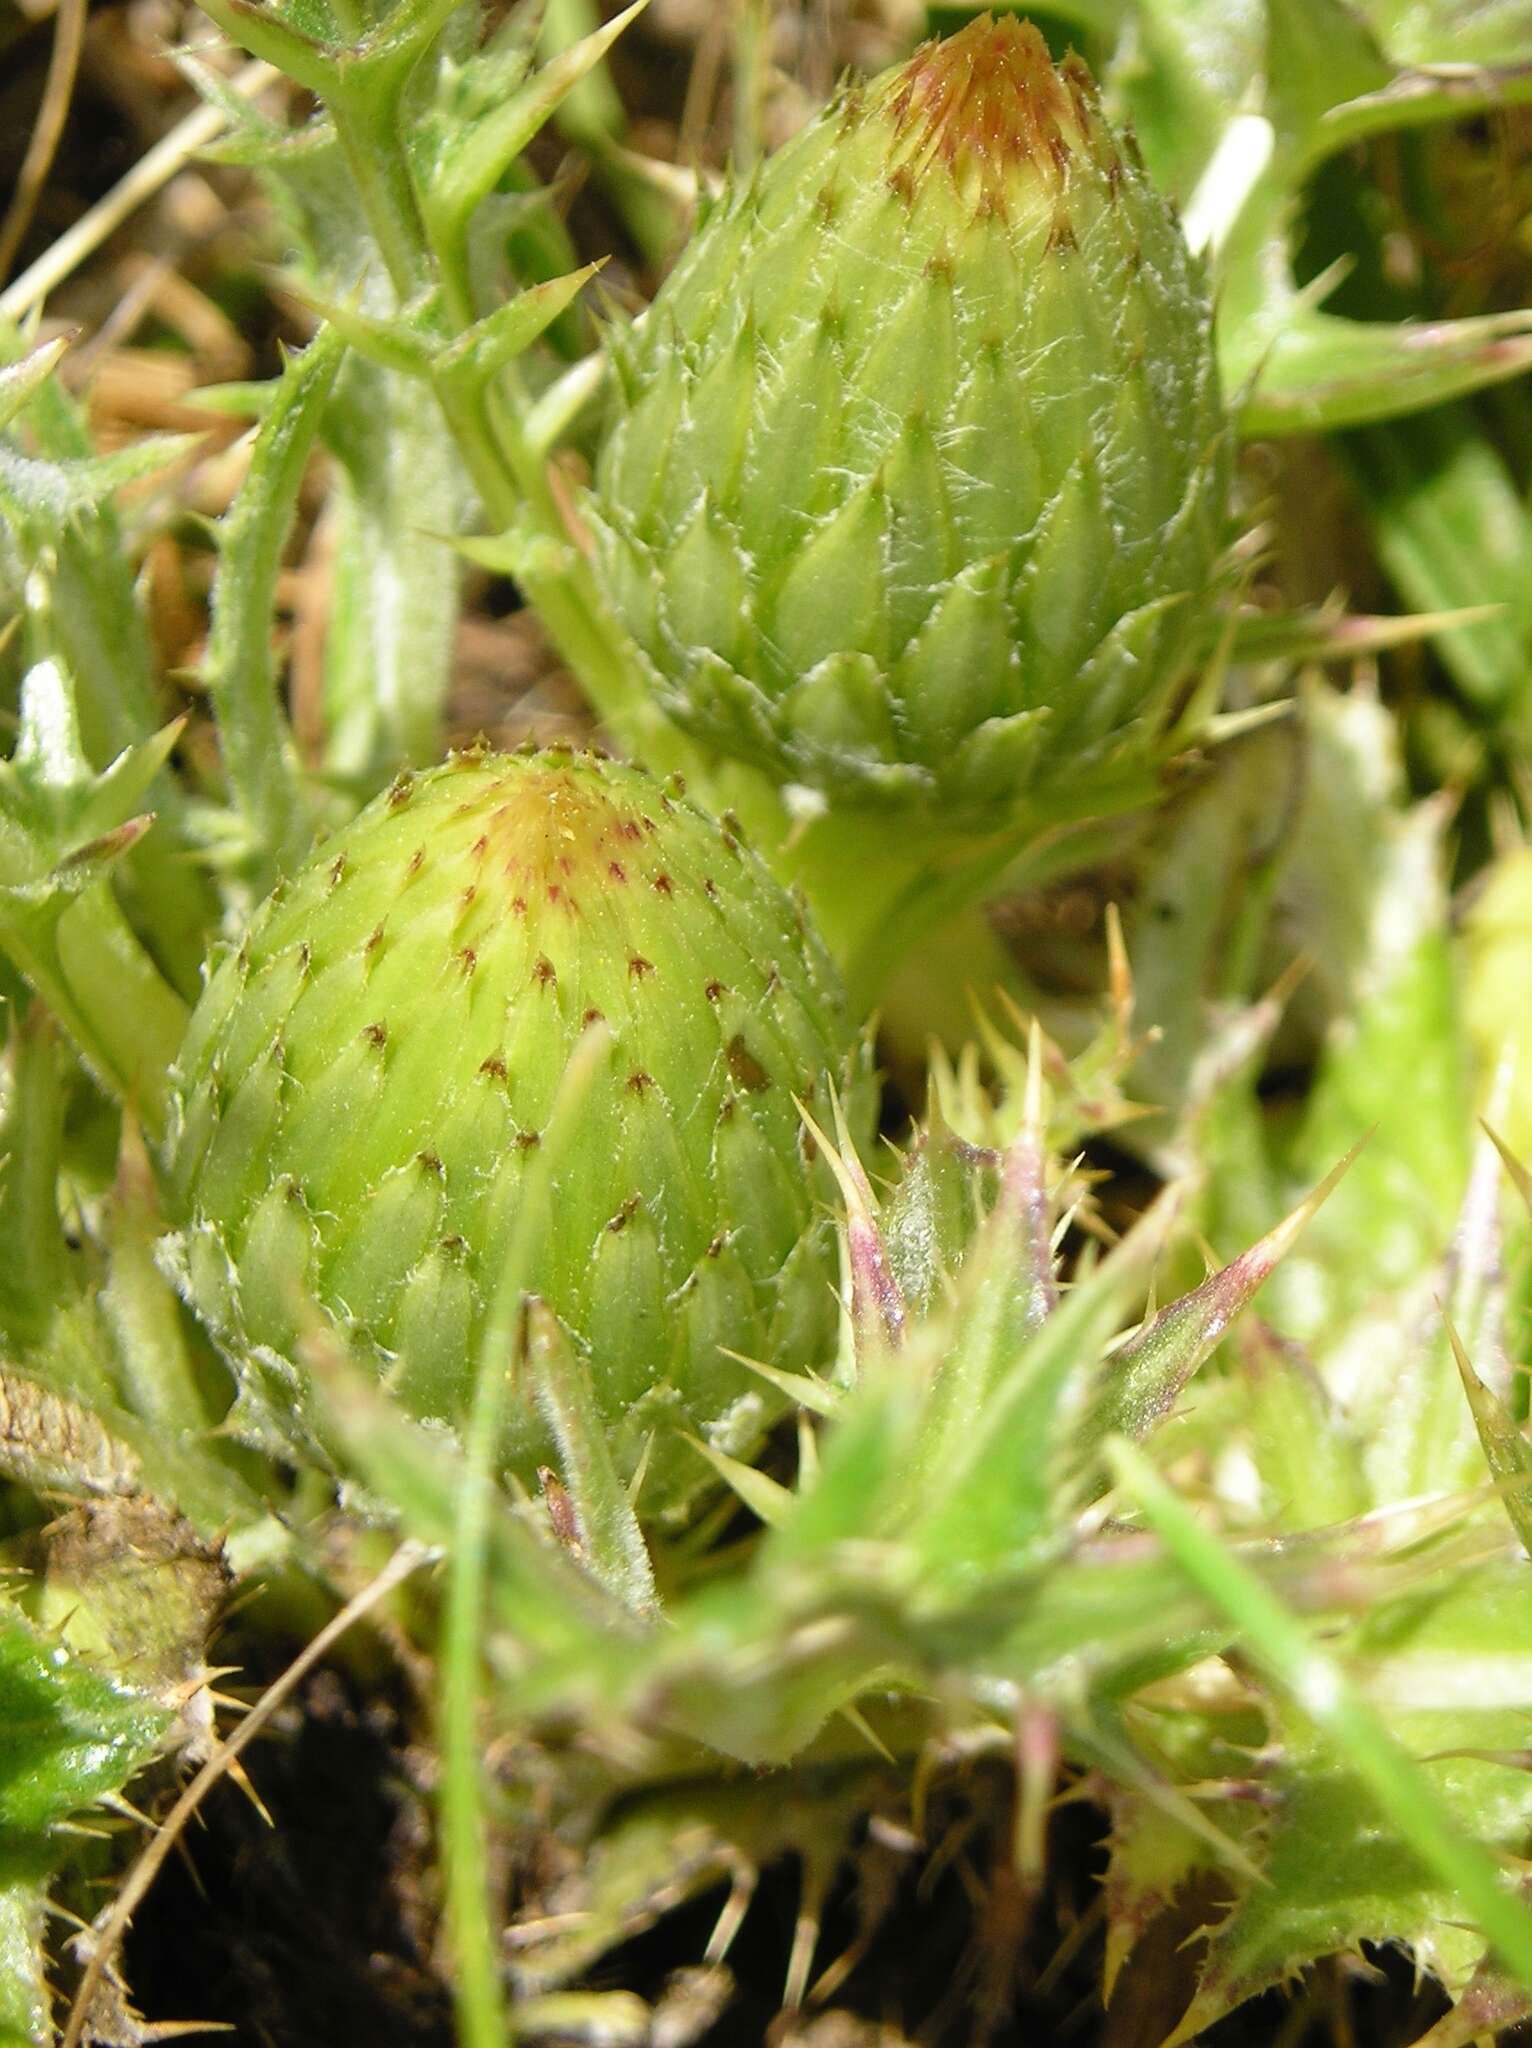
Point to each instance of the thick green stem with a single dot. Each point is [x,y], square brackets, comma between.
[367,126]
[878,885]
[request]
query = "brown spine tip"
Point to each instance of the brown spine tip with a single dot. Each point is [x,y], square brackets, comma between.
[988,103]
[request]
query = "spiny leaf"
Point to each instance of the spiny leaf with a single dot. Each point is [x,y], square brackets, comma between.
[1303,1445]
[1321,372]
[479,155]
[1352,1730]
[264,33]
[1330,633]
[1451,530]
[477,355]
[66,1734]
[801,1388]
[239,672]
[877,1307]
[1144,1377]
[763,1495]
[611,1542]
[997,1464]
[43,496]
[1506,1449]
[19,380]
[412,341]
[1521,1178]
[540,1597]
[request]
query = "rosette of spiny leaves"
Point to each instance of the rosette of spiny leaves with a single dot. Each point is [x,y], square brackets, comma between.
[941,1577]
[915,494]
[1372,1397]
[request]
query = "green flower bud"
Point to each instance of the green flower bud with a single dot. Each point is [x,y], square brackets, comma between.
[366,1080]
[918,485]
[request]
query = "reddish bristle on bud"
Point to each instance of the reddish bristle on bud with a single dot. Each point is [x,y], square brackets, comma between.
[989,102]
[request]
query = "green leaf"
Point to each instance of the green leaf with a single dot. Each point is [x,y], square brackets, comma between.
[1457,90]
[1451,530]
[997,1465]
[24,2001]
[477,156]
[493,342]
[239,670]
[1354,1768]
[1142,1379]
[1311,372]
[1302,1441]
[1506,1449]
[1397,1064]
[1318,53]
[67,1735]
[391,635]
[264,33]
[611,1543]
[34,1258]
[44,496]
[62,828]
[86,613]
[20,381]
[1449,1673]
[1447,33]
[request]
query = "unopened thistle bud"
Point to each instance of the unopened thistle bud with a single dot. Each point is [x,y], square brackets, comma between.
[368,1078]
[918,484]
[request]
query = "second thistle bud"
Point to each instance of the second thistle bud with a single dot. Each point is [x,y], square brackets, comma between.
[367,1081]
[919,481]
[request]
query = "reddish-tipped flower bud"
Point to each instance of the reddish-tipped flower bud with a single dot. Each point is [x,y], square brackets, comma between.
[918,483]
[367,1080]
